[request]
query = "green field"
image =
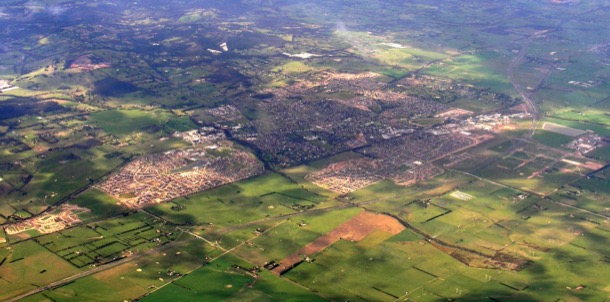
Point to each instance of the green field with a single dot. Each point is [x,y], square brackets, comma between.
[535,169]
[134,279]
[124,122]
[95,85]
[380,273]
[217,206]
[288,237]
[101,205]
[105,241]
[18,276]
[226,280]
[552,139]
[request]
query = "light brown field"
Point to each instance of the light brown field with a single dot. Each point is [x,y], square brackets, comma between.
[354,229]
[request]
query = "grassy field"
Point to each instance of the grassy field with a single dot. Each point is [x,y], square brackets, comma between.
[484,69]
[61,173]
[107,240]
[17,274]
[101,205]
[207,283]
[291,235]
[535,169]
[550,217]
[124,122]
[294,67]
[269,287]
[221,282]
[220,206]
[552,139]
[592,194]
[136,278]
[581,124]
[376,273]
[494,219]
[386,196]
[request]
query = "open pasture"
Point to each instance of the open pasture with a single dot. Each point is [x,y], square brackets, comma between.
[241,202]
[290,236]
[136,278]
[534,170]
[227,279]
[16,270]
[359,227]
[124,122]
[107,240]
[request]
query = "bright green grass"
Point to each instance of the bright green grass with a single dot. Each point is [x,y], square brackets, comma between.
[417,212]
[269,287]
[481,69]
[525,179]
[571,266]
[28,265]
[60,174]
[132,280]
[289,237]
[124,122]
[215,282]
[238,202]
[106,239]
[378,273]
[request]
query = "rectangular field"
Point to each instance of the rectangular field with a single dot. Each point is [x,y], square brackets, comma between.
[562,129]
[268,195]
[107,240]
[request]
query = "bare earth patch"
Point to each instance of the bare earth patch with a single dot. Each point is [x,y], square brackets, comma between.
[354,229]
[63,217]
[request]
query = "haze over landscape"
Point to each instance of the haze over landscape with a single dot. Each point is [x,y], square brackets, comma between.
[274,150]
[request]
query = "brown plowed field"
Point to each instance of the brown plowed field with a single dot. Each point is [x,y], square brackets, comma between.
[355,229]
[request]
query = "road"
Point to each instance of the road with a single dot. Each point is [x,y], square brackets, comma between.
[97,269]
[525,95]
[531,107]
